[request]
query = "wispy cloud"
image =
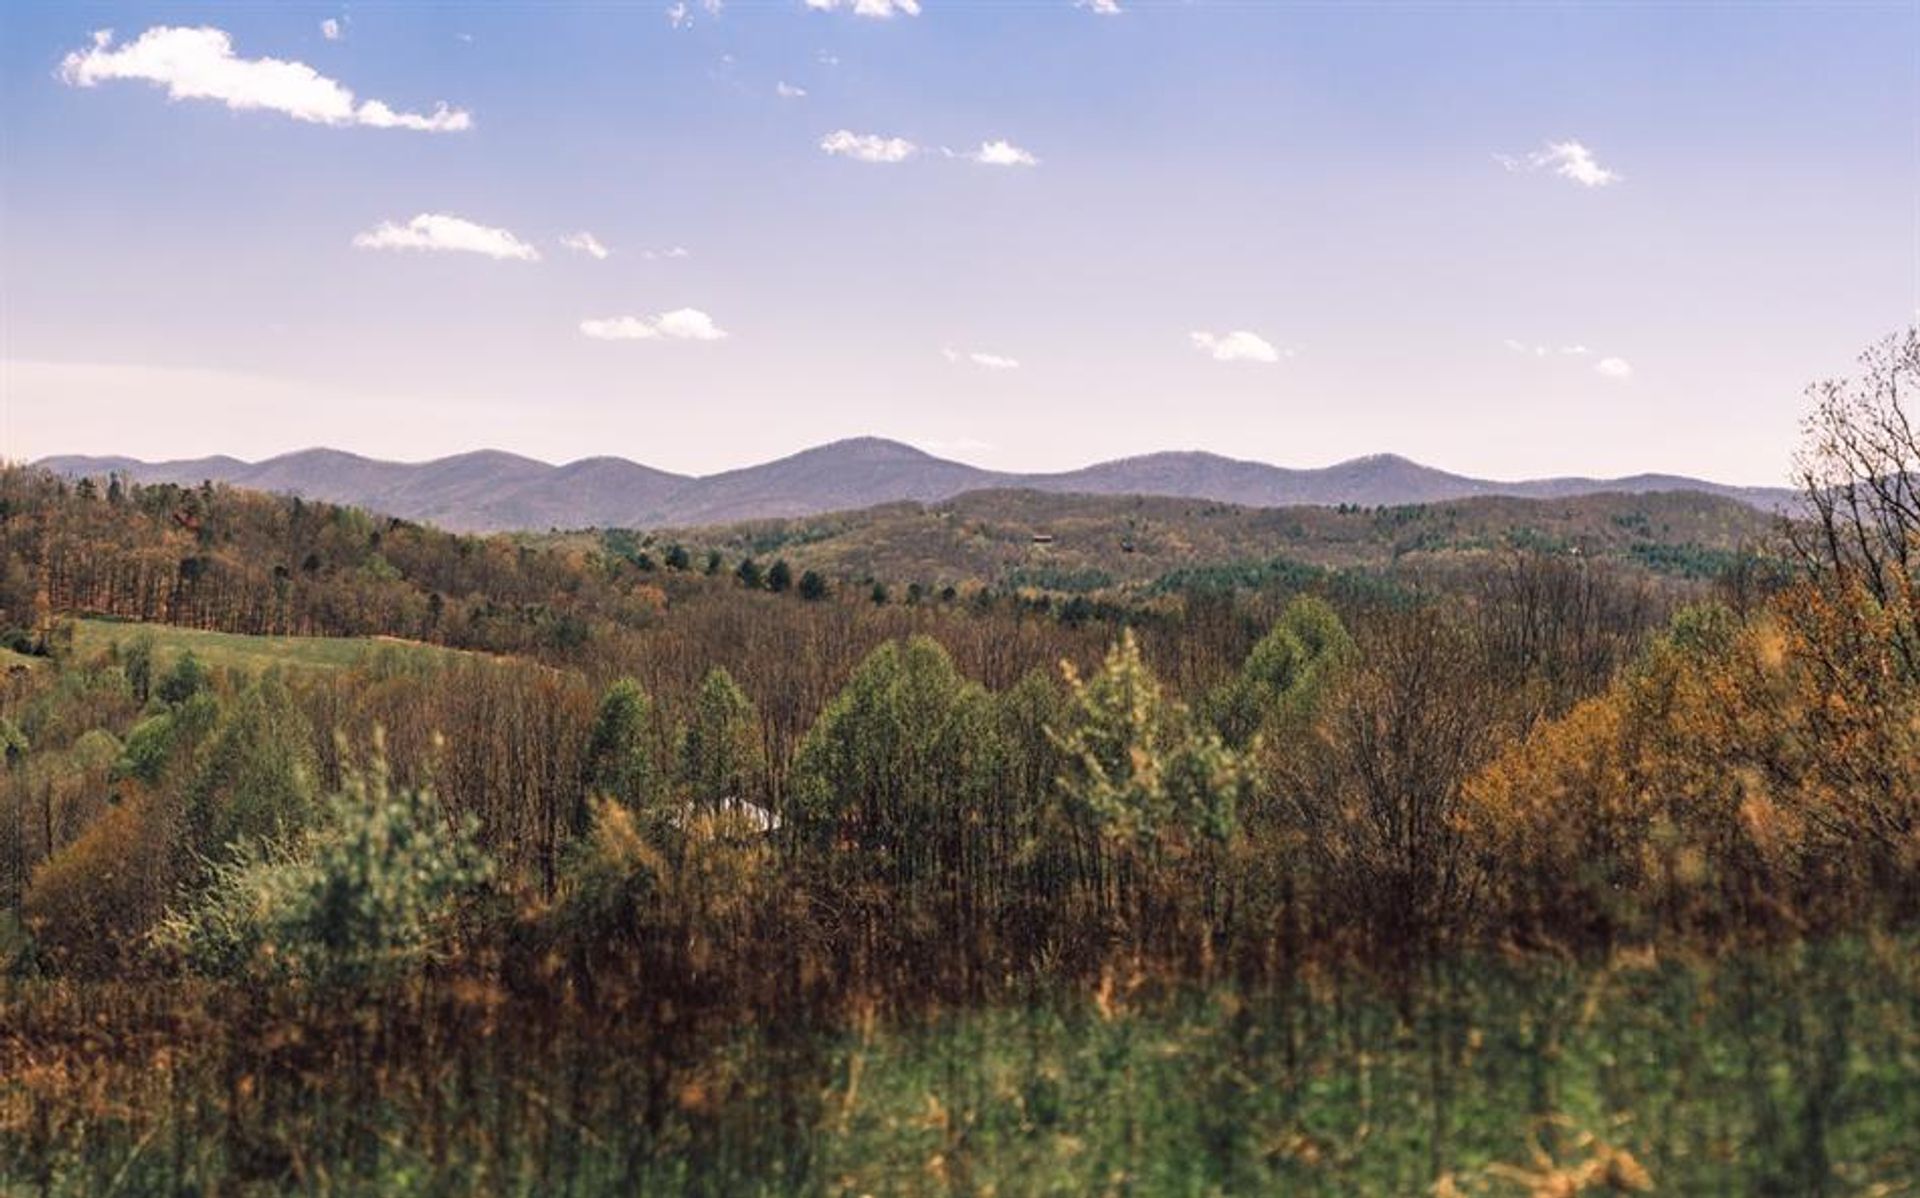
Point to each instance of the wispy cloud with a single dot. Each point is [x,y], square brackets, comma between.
[1105,8]
[788,91]
[1545,351]
[867,147]
[681,324]
[1001,153]
[868,8]
[672,251]
[332,29]
[1237,346]
[199,64]
[980,358]
[434,231]
[1567,159]
[586,243]
[1610,367]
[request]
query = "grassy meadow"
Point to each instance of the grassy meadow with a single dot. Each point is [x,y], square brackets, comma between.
[250,654]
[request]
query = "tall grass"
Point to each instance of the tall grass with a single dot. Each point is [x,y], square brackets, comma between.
[1784,1072]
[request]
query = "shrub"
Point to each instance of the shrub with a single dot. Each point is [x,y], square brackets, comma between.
[365,896]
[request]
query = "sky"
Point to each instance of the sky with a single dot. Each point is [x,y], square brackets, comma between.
[1510,240]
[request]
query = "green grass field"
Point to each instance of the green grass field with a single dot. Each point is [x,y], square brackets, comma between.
[249,653]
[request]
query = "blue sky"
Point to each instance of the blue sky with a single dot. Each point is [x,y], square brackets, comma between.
[1294,232]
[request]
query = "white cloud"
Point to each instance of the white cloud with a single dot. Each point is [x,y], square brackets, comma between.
[1542,351]
[1237,346]
[332,29]
[868,8]
[672,251]
[681,324]
[199,64]
[1614,368]
[982,359]
[433,231]
[1002,153]
[788,91]
[678,16]
[1105,8]
[867,147]
[587,244]
[1568,159]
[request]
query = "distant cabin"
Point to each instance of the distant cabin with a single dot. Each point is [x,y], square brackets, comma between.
[1043,538]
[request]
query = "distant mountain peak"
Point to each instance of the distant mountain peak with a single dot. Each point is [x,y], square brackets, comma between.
[869,449]
[490,490]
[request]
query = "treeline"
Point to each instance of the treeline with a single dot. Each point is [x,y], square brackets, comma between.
[219,558]
[1545,762]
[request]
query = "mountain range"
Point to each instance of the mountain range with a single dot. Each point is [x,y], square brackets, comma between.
[491,491]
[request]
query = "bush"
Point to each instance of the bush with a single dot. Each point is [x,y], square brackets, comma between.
[366,896]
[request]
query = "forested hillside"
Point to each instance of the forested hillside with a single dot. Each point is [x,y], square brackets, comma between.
[680,825]
[1083,543]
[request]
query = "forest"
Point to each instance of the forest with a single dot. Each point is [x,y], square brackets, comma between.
[340,854]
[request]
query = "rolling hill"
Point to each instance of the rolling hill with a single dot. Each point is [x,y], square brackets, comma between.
[1080,542]
[488,490]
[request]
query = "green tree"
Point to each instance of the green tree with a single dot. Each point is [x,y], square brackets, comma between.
[720,754]
[619,761]
[158,742]
[257,781]
[813,587]
[1286,676]
[780,578]
[137,660]
[186,679]
[1138,765]
[899,763]
[748,572]
[1147,800]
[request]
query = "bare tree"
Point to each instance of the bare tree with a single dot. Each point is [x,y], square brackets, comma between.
[1858,469]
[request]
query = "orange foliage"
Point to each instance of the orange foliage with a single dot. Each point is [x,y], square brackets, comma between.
[90,905]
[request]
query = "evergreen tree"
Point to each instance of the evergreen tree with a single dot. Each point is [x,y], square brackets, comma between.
[619,761]
[720,755]
[257,781]
[1286,675]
